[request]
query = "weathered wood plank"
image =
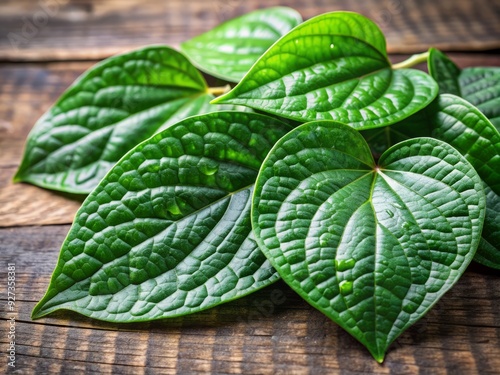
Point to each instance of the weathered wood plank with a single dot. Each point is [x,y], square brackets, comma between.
[24,204]
[91,29]
[271,332]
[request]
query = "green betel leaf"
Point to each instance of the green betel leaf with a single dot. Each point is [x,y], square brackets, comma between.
[372,246]
[229,50]
[333,67]
[460,124]
[167,232]
[488,252]
[478,85]
[444,71]
[481,87]
[112,107]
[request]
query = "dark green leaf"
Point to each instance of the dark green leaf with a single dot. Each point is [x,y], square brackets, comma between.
[335,67]
[457,122]
[488,252]
[481,87]
[167,232]
[371,246]
[478,85]
[229,50]
[444,71]
[107,111]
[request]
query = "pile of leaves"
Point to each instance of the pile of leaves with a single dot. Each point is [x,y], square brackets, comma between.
[368,187]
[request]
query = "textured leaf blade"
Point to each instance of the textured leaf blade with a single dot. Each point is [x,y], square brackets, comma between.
[333,67]
[229,50]
[444,71]
[488,252]
[460,124]
[167,232]
[372,247]
[107,111]
[481,87]
[478,85]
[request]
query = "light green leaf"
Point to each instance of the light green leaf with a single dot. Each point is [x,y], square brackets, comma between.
[112,107]
[167,232]
[333,67]
[478,85]
[460,124]
[372,246]
[229,50]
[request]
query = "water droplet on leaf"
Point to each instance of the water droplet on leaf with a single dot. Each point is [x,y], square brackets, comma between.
[344,265]
[174,210]
[208,167]
[345,287]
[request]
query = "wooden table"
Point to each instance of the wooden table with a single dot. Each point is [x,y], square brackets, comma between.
[270,332]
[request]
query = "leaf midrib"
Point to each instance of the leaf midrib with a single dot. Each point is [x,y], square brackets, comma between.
[388,66]
[172,222]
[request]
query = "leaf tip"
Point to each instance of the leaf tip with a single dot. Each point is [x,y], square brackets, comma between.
[16,178]
[40,310]
[36,313]
[219,100]
[378,354]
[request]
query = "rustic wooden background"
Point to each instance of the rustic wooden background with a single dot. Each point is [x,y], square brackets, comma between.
[270,332]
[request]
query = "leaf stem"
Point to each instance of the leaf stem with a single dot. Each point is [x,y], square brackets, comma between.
[217,91]
[412,60]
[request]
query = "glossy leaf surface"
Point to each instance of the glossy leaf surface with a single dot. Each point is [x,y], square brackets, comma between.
[229,50]
[167,232]
[457,122]
[111,108]
[478,85]
[371,246]
[333,67]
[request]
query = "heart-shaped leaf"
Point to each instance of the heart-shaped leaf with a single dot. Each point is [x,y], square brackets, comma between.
[229,50]
[460,124]
[112,107]
[167,232]
[478,85]
[334,67]
[372,246]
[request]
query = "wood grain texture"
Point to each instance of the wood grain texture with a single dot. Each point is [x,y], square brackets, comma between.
[270,332]
[93,29]
[24,204]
